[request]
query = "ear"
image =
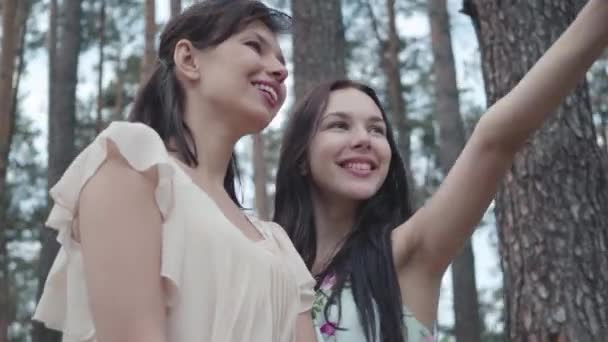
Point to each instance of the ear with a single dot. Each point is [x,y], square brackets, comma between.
[186,63]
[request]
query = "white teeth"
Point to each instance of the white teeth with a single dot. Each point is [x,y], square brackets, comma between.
[267,89]
[359,166]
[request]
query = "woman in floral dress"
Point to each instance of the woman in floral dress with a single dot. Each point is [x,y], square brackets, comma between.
[341,193]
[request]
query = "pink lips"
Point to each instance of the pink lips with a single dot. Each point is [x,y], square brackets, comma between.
[271,91]
[360,167]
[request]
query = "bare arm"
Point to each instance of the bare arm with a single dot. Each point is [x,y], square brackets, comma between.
[304,328]
[436,233]
[120,232]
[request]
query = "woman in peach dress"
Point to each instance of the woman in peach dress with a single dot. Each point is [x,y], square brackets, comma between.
[154,244]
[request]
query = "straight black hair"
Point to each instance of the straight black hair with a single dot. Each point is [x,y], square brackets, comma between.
[365,260]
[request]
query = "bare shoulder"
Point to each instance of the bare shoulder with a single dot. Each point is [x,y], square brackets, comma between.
[120,227]
[117,189]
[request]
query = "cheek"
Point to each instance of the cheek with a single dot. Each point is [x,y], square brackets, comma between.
[384,149]
[249,62]
[315,161]
[384,153]
[214,84]
[319,159]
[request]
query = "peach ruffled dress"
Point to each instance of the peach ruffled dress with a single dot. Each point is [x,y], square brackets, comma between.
[220,285]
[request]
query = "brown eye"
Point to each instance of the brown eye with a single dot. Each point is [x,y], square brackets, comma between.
[378,130]
[338,125]
[256,46]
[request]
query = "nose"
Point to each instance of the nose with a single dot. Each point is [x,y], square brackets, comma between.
[361,139]
[278,70]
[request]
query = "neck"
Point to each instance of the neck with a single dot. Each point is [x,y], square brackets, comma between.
[334,219]
[213,139]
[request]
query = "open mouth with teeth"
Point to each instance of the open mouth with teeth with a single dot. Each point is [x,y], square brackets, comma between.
[358,167]
[269,93]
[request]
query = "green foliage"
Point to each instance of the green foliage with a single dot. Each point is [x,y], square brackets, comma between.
[26,185]
[124,20]
[35,38]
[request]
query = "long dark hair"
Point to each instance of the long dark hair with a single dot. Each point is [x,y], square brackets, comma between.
[161,99]
[365,259]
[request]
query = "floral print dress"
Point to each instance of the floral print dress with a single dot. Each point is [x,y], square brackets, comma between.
[349,329]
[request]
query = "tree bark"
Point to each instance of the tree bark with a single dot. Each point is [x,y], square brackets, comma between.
[467,327]
[392,71]
[319,46]
[150,32]
[63,60]
[552,208]
[62,117]
[117,114]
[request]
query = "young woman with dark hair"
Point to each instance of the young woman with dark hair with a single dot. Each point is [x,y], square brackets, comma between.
[155,246]
[341,193]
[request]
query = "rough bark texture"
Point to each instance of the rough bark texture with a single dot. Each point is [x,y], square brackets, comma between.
[62,116]
[149,35]
[63,66]
[467,327]
[319,47]
[260,177]
[552,208]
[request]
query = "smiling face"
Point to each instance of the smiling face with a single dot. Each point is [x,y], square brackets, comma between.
[349,155]
[243,77]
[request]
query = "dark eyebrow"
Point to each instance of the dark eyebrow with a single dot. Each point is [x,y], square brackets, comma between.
[344,116]
[376,119]
[267,43]
[341,115]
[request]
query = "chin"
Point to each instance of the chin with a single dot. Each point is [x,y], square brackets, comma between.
[358,193]
[258,120]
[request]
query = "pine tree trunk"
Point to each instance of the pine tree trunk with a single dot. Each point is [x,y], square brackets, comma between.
[260,177]
[149,51]
[117,114]
[8,55]
[7,70]
[389,50]
[14,25]
[452,139]
[99,124]
[63,60]
[319,47]
[392,71]
[62,118]
[552,208]
[391,66]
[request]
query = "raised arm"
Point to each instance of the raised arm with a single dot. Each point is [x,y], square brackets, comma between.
[120,233]
[436,233]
